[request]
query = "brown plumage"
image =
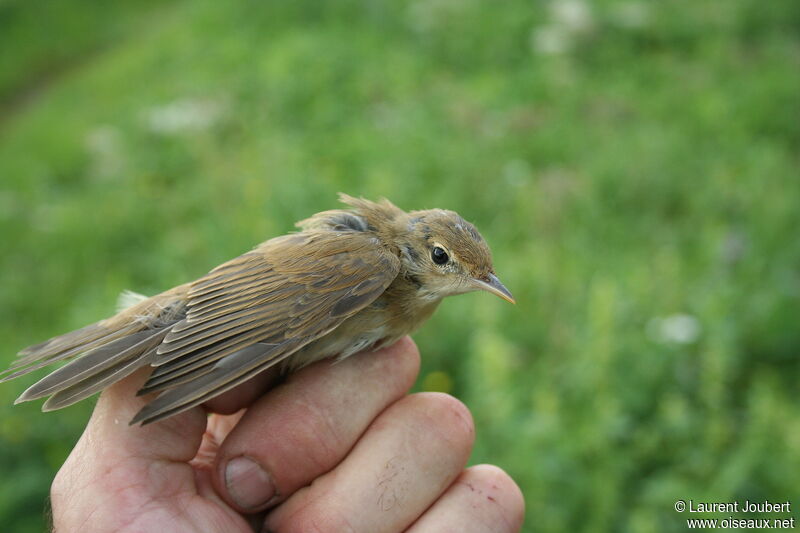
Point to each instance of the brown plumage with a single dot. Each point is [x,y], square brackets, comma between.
[349,280]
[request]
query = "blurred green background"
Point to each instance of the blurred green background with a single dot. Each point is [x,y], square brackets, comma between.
[634,165]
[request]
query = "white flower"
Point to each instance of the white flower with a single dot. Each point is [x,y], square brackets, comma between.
[674,329]
[568,20]
[183,115]
[573,15]
[550,40]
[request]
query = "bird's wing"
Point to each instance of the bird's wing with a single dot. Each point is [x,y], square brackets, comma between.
[254,311]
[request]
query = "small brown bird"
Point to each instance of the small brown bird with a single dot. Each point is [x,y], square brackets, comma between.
[349,280]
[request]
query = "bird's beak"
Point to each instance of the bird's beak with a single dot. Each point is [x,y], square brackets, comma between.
[492,284]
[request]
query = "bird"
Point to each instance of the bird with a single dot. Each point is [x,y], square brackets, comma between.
[348,280]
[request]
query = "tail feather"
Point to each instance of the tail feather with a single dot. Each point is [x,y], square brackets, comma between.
[82,335]
[65,349]
[35,361]
[137,313]
[61,343]
[97,382]
[94,362]
[104,352]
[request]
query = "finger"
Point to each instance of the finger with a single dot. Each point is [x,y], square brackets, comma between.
[405,460]
[243,395]
[305,427]
[173,439]
[483,499]
[112,454]
[217,429]
[176,438]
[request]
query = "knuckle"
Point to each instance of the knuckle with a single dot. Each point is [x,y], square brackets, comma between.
[313,432]
[394,367]
[406,359]
[499,490]
[449,415]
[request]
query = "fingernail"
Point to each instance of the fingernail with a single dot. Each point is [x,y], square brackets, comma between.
[248,484]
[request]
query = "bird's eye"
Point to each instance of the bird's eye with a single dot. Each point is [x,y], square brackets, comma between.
[439,256]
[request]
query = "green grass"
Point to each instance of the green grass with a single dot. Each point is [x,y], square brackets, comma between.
[628,165]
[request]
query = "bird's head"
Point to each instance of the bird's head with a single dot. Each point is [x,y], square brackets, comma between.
[445,255]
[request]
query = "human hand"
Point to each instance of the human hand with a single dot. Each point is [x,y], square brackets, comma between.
[341,447]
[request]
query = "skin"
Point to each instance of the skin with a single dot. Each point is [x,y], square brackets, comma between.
[335,448]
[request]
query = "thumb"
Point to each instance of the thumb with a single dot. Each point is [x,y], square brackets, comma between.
[174,439]
[109,475]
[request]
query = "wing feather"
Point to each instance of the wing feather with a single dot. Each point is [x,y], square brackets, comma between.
[285,294]
[165,377]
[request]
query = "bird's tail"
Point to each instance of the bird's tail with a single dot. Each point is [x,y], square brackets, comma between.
[101,353]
